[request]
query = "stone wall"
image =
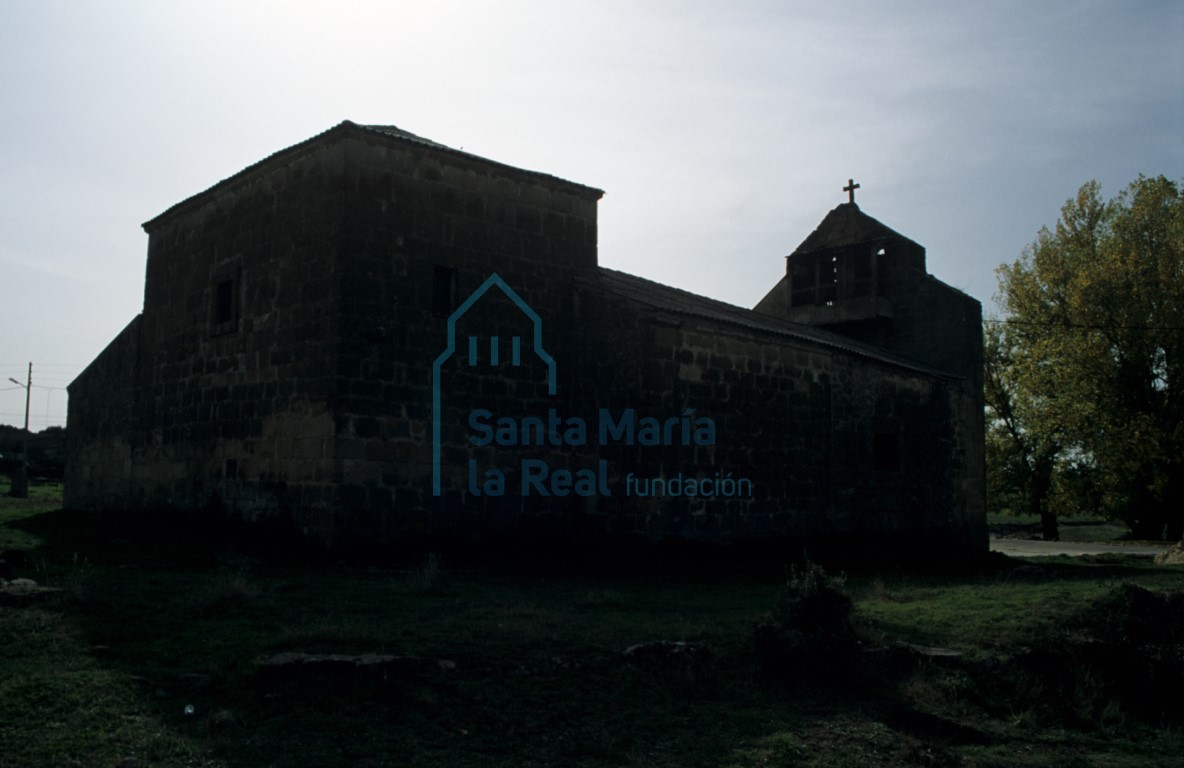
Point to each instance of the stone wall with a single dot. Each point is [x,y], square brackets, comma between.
[102,418]
[803,421]
[913,315]
[415,217]
[835,445]
[230,391]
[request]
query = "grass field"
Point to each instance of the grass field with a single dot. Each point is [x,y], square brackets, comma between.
[513,666]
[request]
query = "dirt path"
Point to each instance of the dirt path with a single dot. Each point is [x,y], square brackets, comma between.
[1031,548]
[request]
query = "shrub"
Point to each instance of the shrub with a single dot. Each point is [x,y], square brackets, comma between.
[429,577]
[809,630]
[1121,654]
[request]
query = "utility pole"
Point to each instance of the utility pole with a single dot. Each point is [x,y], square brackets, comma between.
[20,478]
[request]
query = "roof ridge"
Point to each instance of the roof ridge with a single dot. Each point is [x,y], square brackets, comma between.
[396,131]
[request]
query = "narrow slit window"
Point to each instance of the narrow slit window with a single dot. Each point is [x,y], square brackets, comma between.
[886,452]
[443,289]
[224,302]
[224,307]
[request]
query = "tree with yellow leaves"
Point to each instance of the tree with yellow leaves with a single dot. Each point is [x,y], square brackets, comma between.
[1088,356]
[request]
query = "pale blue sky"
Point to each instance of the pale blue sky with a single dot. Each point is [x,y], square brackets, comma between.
[721,132]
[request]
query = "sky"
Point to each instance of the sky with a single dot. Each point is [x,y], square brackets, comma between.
[722,133]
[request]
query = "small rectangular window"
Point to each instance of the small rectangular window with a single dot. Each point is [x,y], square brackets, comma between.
[443,289]
[886,452]
[225,301]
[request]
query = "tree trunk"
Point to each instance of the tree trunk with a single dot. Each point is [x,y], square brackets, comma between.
[1038,497]
[1175,505]
[1147,528]
[1048,525]
[1148,517]
[20,482]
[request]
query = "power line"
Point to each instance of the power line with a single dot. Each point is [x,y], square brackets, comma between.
[1088,326]
[37,386]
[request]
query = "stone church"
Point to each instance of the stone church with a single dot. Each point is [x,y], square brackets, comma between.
[378,340]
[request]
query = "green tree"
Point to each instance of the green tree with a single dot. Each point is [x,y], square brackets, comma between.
[1023,446]
[1092,349]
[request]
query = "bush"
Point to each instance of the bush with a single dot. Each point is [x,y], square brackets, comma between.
[809,630]
[1123,653]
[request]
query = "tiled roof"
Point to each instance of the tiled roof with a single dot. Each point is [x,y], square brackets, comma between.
[394,130]
[340,130]
[675,300]
[847,225]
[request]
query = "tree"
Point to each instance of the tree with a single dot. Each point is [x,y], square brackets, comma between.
[1093,346]
[1023,447]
